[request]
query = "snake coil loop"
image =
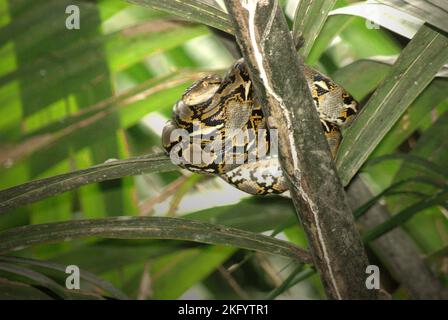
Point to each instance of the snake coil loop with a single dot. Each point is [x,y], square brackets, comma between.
[218,128]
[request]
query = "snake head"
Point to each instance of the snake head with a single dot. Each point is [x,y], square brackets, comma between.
[202,90]
[194,97]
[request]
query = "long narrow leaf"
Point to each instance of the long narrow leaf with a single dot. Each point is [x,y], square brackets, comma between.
[432,145]
[35,190]
[404,216]
[285,284]
[398,21]
[127,227]
[192,10]
[433,12]
[309,19]
[332,27]
[13,290]
[390,191]
[435,94]
[410,158]
[415,68]
[108,287]
[34,276]
[305,274]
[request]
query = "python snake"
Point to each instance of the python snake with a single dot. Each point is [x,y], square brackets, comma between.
[213,110]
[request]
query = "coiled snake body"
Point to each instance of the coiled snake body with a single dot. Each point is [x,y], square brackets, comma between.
[213,110]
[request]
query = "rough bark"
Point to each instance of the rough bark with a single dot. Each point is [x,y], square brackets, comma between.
[319,198]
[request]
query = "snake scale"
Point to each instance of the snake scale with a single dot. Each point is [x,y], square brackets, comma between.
[213,110]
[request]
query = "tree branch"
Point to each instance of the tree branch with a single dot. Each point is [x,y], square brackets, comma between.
[317,193]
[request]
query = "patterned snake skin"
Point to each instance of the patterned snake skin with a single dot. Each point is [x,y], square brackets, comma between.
[212,110]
